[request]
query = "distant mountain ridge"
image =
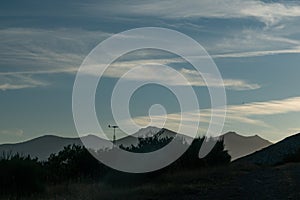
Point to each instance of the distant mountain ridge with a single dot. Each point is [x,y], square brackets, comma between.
[145,132]
[43,146]
[239,146]
[40,147]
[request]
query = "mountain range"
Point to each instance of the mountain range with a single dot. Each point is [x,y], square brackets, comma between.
[41,147]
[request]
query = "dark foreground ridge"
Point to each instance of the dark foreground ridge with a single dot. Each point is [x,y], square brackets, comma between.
[285,150]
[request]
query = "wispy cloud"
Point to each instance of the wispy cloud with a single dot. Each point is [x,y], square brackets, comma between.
[267,108]
[244,114]
[269,13]
[274,38]
[232,84]
[37,58]
[12,132]
[150,72]
[255,42]
[258,53]
[34,51]
[8,86]
[18,81]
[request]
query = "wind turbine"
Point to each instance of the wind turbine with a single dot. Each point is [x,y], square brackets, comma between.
[114,127]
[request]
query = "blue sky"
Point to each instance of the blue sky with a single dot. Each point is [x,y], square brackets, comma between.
[255,44]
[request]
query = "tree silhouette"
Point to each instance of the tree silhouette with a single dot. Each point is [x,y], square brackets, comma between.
[73,163]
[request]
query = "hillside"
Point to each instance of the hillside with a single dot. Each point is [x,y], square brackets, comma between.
[275,153]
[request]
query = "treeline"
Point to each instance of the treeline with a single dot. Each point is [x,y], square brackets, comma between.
[21,175]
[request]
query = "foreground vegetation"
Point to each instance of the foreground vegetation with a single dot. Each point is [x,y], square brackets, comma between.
[74,174]
[74,171]
[223,182]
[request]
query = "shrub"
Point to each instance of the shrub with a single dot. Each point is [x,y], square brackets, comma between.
[73,163]
[20,175]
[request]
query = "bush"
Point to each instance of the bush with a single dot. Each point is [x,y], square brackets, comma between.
[190,159]
[73,163]
[20,175]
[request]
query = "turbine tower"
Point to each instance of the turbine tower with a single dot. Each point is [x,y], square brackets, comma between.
[114,127]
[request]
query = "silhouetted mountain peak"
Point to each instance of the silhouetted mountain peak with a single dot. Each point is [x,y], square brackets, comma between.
[147,131]
[234,134]
[239,146]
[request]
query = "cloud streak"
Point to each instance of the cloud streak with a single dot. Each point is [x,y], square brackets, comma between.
[268,13]
[12,132]
[258,53]
[38,51]
[267,108]
[252,43]
[152,73]
[17,82]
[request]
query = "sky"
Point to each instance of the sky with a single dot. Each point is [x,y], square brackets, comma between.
[255,44]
